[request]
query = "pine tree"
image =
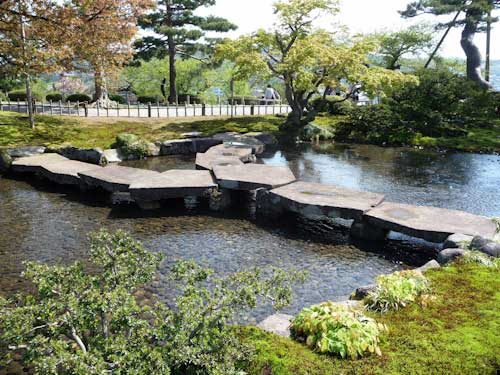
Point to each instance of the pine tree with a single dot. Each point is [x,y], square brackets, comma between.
[476,16]
[178,31]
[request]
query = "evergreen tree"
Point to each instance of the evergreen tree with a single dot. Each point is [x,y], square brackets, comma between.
[476,16]
[178,31]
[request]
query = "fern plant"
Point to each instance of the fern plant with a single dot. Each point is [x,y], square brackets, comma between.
[397,290]
[337,329]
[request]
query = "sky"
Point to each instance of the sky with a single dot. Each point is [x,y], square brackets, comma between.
[360,16]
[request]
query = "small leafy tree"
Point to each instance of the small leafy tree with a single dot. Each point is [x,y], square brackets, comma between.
[394,46]
[90,323]
[307,59]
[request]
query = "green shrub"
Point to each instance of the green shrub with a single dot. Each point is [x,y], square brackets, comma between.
[54,97]
[145,99]
[78,322]
[17,95]
[193,99]
[79,97]
[117,98]
[336,329]
[133,147]
[477,257]
[397,290]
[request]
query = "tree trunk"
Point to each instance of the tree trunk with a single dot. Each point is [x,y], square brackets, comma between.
[172,98]
[29,102]
[472,52]
[98,93]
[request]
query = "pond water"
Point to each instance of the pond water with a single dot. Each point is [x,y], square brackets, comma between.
[39,221]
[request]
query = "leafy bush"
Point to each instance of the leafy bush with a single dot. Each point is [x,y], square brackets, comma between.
[336,329]
[397,290]
[145,99]
[374,124]
[482,259]
[54,97]
[117,98]
[132,146]
[193,99]
[17,95]
[89,323]
[333,105]
[73,98]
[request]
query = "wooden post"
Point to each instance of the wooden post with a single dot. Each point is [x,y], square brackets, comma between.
[107,111]
[138,109]
[117,109]
[1,105]
[85,110]
[185,110]
[158,108]
[431,57]
[50,107]
[69,108]
[203,109]
[78,108]
[149,109]
[128,107]
[19,106]
[176,109]
[252,110]
[60,107]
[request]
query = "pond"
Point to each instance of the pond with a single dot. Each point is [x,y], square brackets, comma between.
[39,221]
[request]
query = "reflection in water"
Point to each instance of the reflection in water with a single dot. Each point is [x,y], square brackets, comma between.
[469,182]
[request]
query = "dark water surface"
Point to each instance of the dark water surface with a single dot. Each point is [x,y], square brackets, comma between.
[39,221]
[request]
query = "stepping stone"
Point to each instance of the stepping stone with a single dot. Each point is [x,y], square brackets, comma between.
[241,140]
[21,152]
[430,223]
[252,176]
[173,184]
[34,164]
[65,172]
[187,146]
[245,154]
[209,160]
[313,199]
[116,178]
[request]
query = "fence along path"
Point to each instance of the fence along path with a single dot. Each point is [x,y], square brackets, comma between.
[148,110]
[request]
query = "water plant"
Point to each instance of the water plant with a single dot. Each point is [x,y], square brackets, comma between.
[397,290]
[337,329]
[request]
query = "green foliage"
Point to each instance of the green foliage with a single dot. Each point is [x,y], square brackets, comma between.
[149,99]
[117,98]
[333,105]
[89,323]
[479,258]
[54,97]
[132,146]
[394,46]
[17,95]
[397,290]
[73,98]
[456,334]
[336,329]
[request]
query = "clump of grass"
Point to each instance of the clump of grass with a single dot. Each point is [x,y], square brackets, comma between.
[479,258]
[397,290]
[337,329]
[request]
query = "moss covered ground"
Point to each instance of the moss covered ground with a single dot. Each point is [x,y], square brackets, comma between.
[457,333]
[101,132]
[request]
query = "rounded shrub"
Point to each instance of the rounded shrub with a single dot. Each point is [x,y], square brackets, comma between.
[78,97]
[193,99]
[334,105]
[54,97]
[145,99]
[132,146]
[337,329]
[397,290]
[117,98]
[17,95]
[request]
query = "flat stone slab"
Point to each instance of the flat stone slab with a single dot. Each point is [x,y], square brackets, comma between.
[65,172]
[209,160]
[245,154]
[35,164]
[430,223]
[252,176]
[278,324]
[173,184]
[21,152]
[187,146]
[116,178]
[313,199]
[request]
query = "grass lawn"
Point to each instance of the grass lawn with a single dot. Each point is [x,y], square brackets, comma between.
[457,334]
[101,132]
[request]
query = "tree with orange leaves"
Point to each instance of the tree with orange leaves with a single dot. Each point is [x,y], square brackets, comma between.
[104,30]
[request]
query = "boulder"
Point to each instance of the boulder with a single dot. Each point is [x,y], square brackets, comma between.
[267,138]
[429,265]
[278,324]
[113,156]
[457,240]
[368,232]
[449,255]
[5,161]
[22,152]
[485,245]
[187,146]
[361,292]
[241,140]
[86,155]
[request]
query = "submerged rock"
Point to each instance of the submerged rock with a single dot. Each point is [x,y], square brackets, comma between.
[363,291]
[5,161]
